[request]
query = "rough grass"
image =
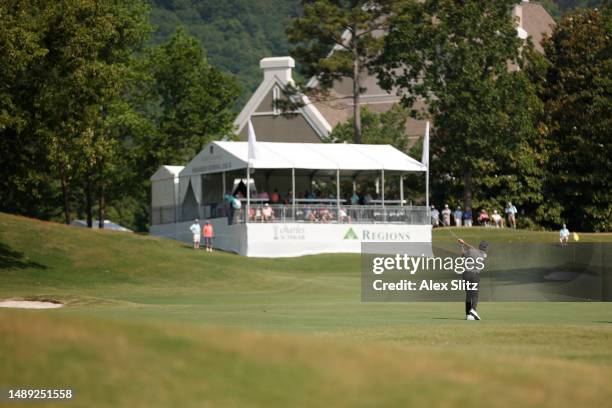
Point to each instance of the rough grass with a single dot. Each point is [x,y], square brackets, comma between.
[150,323]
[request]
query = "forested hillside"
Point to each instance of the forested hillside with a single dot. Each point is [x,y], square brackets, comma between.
[235,33]
[238,33]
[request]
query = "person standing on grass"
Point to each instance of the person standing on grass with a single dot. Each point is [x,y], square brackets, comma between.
[467,217]
[497,219]
[564,235]
[511,211]
[196,230]
[483,218]
[435,216]
[458,215]
[209,233]
[472,276]
[446,213]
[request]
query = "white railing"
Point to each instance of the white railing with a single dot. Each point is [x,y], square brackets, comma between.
[318,213]
[301,213]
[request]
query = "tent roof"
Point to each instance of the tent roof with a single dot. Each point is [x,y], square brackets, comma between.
[314,156]
[166,172]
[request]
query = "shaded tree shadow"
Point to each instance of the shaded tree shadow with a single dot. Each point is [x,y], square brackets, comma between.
[11,259]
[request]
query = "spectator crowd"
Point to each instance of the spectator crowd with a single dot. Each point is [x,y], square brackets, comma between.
[460,217]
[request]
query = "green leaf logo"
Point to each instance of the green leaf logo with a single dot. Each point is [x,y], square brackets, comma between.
[350,234]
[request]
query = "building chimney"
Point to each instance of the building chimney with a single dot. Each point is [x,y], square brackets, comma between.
[279,67]
[518,12]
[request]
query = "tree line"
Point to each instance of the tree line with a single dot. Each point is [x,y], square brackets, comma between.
[90,107]
[89,110]
[510,124]
[238,33]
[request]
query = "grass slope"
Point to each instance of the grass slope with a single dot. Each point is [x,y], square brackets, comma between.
[152,323]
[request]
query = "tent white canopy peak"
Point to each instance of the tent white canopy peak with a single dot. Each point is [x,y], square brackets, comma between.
[226,156]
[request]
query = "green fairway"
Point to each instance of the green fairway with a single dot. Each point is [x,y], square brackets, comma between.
[150,322]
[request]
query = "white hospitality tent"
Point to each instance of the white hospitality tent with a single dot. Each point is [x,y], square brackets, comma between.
[312,159]
[220,167]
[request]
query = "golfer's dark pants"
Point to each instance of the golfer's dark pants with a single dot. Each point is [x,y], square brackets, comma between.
[230,215]
[471,296]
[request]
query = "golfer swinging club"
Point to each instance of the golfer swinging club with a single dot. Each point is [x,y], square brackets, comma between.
[471,296]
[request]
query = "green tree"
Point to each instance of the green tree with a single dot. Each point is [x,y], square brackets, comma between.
[377,128]
[337,39]
[123,177]
[578,95]
[85,116]
[23,184]
[77,50]
[90,43]
[176,103]
[459,57]
[190,99]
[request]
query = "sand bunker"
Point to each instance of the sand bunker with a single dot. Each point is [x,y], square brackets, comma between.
[29,304]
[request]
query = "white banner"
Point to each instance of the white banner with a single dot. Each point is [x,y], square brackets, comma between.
[276,240]
[296,239]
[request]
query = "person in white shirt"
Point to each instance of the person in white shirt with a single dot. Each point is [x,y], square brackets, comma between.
[564,235]
[435,216]
[497,219]
[446,214]
[511,212]
[196,230]
[343,216]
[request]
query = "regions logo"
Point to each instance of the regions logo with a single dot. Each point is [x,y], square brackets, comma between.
[369,235]
[350,234]
[389,236]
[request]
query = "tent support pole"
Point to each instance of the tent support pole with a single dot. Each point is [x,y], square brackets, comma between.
[354,184]
[175,181]
[382,194]
[248,197]
[382,187]
[224,187]
[293,194]
[427,187]
[338,193]
[402,190]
